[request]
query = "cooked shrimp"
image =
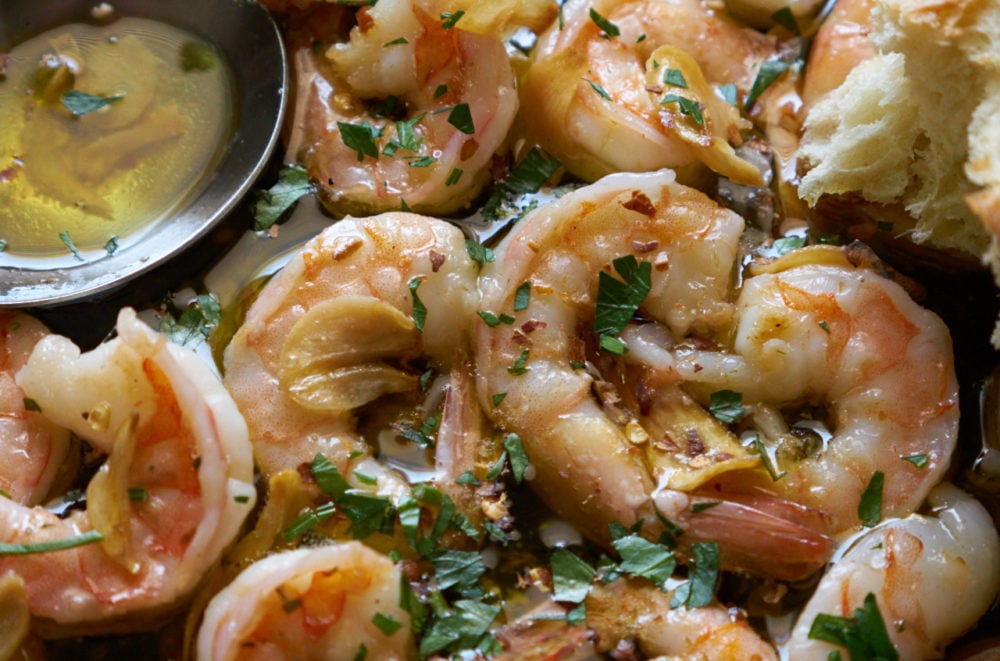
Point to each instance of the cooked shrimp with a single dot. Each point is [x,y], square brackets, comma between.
[325,602]
[652,449]
[933,576]
[833,336]
[173,493]
[841,43]
[33,451]
[601,102]
[336,329]
[633,609]
[406,114]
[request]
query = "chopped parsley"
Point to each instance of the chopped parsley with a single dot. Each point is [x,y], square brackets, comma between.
[519,366]
[613,345]
[68,242]
[687,106]
[269,205]
[618,300]
[395,42]
[518,458]
[195,323]
[609,28]
[419,309]
[522,297]
[766,460]
[111,245]
[919,460]
[786,19]
[600,90]
[453,177]
[498,398]
[768,73]
[461,118]
[386,624]
[449,19]
[703,573]
[468,479]
[423,162]
[80,103]
[527,176]
[645,559]
[31,405]
[675,77]
[864,635]
[870,507]
[478,252]
[727,406]
[440,91]
[196,57]
[360,138]
[571,576]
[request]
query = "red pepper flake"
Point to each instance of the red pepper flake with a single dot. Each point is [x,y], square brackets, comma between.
[640,203]
[437,260]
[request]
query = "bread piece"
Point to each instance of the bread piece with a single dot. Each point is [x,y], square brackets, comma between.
[928,119]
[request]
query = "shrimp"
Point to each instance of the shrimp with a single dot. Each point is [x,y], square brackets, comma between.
[842,43]
[932,576]
[628,608]
[340,326]
[33,451]
[324,602]
[844,338]
[173,493]
[643,450]
[406,114]
[606,101]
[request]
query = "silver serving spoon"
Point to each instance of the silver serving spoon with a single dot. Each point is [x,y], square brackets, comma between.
[250,43]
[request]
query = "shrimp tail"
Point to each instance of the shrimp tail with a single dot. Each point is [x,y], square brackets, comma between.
[760,534]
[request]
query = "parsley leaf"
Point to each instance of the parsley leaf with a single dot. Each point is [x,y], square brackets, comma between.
[360,138]
[766,460]
[675,77]
[687,106]
[768,73]
[600,90]
[419,309]
[518,458]
[461,568]
[527,176]
[522,297]
[643,558]
[478,252]
[461,118]
[68,242]
[195,323]
[919,460]
[864,635]
[609,28]
[870,507]
[459,629]
[726,406]
[571,576]
[617,301]
[293,184]
[702,575]
[80,103]
[449,19]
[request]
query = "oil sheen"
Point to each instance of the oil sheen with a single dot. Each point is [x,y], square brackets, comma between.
[117,170]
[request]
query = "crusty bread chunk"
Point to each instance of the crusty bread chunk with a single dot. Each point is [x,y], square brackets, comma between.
[918,124]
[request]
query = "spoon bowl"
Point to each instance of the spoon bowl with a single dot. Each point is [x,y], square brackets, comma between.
[250,43]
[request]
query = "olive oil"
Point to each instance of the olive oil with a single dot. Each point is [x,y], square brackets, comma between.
[106,131]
